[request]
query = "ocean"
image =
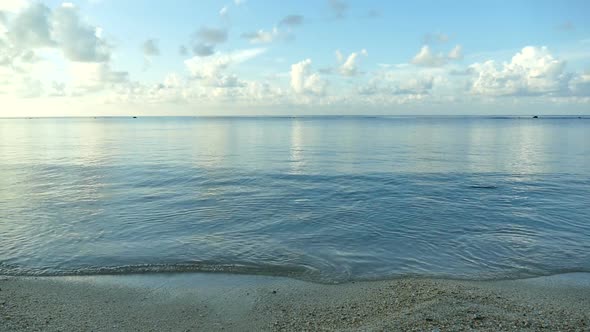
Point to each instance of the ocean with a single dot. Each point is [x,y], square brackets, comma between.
[325,199]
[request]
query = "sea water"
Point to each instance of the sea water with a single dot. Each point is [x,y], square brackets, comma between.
[327,199]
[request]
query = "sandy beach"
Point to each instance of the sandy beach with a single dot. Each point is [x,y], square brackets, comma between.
[207,302]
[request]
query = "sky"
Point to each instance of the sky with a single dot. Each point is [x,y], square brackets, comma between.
[262,57]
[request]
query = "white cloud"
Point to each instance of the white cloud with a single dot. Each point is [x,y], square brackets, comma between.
[77,39]
[339,56]
[173,80]
[92,77]
[39,40]
[532,71]
[580,85]
[427,58]
[18,84]
[239,2]
[456,53]
[211,70]
[31,28]
[207,67]
[303,81]
[349,67]
[57,89]
[37,26]
[415,86]
[3,21]
[98,32]
[19,72]
[225,88]
[401,82]
[13,6]
[29,88]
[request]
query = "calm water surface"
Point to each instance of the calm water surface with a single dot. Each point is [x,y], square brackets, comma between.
[322,199]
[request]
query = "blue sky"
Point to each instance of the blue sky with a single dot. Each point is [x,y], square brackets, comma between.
[107,57]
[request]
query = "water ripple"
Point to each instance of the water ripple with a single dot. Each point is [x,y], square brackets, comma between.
[287,197]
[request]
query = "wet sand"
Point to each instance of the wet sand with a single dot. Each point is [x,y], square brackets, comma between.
[215,302]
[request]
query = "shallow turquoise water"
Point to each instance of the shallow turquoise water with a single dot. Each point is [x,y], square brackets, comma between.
[327,199]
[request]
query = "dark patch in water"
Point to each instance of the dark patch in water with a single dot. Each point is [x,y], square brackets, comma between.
[483,187]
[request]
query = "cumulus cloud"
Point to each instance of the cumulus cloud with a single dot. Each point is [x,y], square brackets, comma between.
[532,71]
[29,88]
[13,5]
[399,82]
[427,58]
[57,89]
[461,72]
[38,39]
[222,88]
[349,66]
[291,20]
[580,84]
[92,77]
[31,28]
[77,39]
[22,86]
[456,53]
[304,81]
[150,48]
[415,86]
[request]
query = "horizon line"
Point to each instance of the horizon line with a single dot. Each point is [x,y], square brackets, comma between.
[307,116]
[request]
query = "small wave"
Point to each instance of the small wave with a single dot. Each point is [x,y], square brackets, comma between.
[296,272]
[299,273]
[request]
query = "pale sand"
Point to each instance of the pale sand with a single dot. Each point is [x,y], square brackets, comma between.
[210,302]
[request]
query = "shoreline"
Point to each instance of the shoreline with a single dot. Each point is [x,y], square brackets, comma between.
[237,302]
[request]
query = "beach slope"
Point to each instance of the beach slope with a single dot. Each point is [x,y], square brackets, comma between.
[207,302]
